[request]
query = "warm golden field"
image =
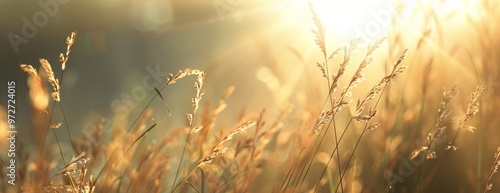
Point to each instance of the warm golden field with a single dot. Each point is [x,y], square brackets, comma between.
[370,96]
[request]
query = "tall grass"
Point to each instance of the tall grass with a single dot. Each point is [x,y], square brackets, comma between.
[398,131]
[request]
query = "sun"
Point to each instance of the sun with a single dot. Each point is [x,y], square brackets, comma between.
[352,17]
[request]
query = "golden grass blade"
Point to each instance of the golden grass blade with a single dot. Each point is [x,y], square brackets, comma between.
[69,42]
[493,170]
[319,32]
[53,81]
[220,148]
[123,155]
[29,70]
[163,99]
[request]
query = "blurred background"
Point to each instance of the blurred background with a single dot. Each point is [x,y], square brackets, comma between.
[120,43]
[265,49]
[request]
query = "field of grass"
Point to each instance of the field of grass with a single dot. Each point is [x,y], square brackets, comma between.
[411,110]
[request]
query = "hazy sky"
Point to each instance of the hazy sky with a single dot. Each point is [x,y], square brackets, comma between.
[120,42]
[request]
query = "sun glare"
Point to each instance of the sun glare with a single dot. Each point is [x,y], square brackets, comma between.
[354,16]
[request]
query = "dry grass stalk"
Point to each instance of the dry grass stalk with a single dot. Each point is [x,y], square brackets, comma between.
[38,94]
[396,70]
[195,102]
[359,76]
[473,106]
[337,105]
[367,60]
[322,119]
[377,89]
[91,143]
[56,125]
[208,118]
[205,128]
[199,92]
[152,164]
[69,42]
[341,71]
[53,81]
[217,151]
[189,117]
[220,148]
[472,109]
[76,171]
[319,33]
[182,73]
[198,86]
[493,170]
[29,70]
[72,165]
[443,113]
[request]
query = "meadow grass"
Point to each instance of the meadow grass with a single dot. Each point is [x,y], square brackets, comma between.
[399,132]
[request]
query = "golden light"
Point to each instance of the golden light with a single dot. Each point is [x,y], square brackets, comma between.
[353,17]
